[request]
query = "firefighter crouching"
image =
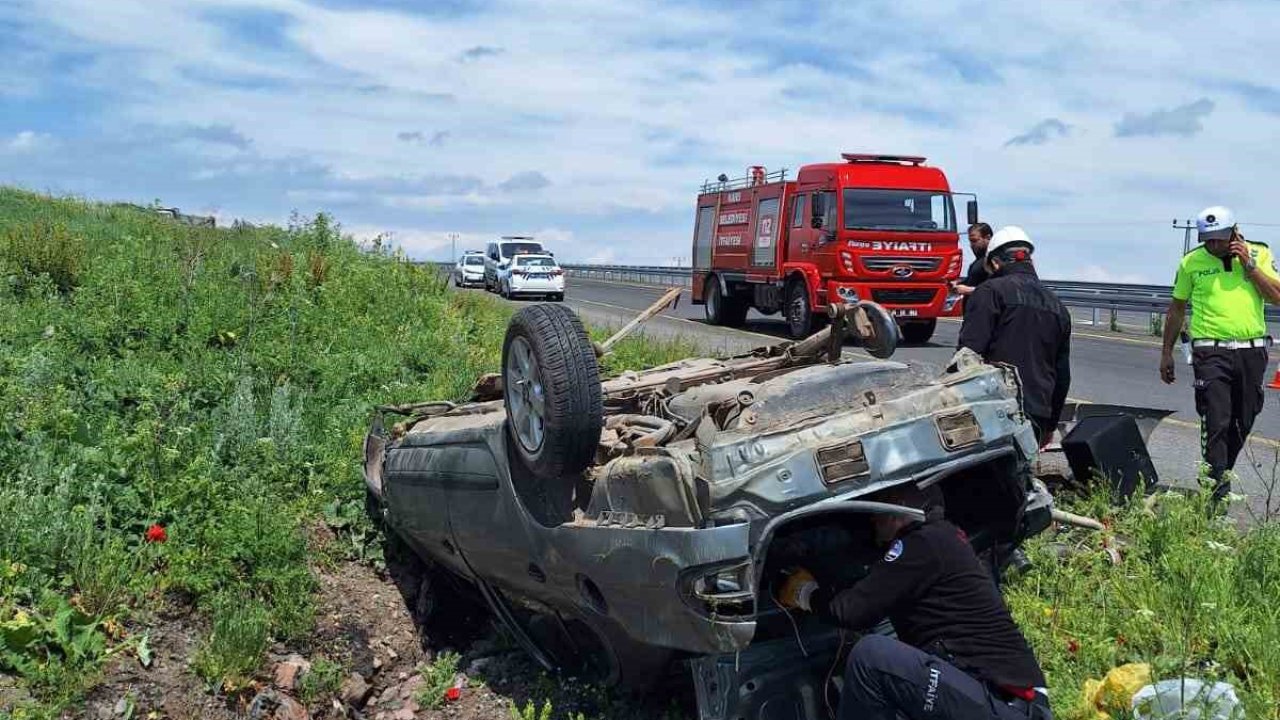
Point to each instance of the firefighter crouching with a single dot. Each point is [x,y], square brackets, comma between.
[959,655]
[1227,280]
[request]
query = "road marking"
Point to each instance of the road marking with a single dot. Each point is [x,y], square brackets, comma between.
[1260,439]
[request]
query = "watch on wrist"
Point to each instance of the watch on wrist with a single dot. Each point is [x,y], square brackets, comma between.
[1249,265]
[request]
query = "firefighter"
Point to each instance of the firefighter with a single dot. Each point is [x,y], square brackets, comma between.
[979,238]
[958,653]
[1227,279]
[1013,318]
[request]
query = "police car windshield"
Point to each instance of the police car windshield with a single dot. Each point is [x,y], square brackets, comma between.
[473,260]
[904,210]
[520,248]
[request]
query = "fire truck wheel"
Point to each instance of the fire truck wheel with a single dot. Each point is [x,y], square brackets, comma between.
[918,332]
[551,390]
[800,322]
[722,309]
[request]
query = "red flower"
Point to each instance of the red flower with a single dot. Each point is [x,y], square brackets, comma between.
[1120,640]
[156,534]
[452,694]
[1073,647]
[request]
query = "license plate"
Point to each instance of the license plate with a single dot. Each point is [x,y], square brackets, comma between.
[904,312]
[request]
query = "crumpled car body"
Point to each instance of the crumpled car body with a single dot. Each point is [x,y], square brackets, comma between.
[711,476]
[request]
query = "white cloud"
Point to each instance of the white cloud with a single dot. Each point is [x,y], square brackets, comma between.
[626,108]
[27,140]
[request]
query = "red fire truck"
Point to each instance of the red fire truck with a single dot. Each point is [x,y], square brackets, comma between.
[874,227]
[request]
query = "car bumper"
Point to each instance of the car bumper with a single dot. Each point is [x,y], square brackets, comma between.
[902,300]
[537,285]
[471,278]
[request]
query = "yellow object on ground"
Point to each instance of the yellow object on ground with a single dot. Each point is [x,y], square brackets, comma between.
[1115,692]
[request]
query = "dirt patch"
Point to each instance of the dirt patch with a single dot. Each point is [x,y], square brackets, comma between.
[379,666]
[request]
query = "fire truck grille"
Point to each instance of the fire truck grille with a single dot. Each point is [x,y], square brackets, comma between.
[903,296]
[885,264]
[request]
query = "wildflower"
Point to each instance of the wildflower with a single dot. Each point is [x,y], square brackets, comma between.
[156,534]
[452,694]
[1073,647]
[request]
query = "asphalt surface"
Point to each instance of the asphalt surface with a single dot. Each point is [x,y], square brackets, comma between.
[1106,367]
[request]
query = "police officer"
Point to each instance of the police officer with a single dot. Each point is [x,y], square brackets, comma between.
[959,655]
[1227,279]
[979,238]
[1013,318]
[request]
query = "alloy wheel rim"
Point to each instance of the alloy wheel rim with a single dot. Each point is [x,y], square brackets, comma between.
[526,397]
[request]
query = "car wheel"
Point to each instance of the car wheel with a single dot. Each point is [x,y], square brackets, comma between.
[918,333]
[799,313]
[551,390]
[721,309]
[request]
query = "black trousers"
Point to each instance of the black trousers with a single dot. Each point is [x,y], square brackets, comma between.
[886,679]
[1229,397]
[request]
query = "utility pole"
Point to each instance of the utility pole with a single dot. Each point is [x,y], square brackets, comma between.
[453,243]
[1187,227]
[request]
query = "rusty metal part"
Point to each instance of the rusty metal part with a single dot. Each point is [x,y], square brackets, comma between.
[668,298]
[1081,521]
[639,431]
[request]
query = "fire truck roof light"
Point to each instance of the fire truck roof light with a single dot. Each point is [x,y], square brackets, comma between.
[868,157]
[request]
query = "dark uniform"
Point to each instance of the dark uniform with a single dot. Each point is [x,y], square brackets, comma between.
[1229,350]
[958,654]
[977,272]
[1013,318]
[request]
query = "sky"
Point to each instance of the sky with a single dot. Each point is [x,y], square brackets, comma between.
[591,125]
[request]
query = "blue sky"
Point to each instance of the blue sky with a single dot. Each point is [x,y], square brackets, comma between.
[591,124]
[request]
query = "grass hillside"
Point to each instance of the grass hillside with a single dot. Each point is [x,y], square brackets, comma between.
[181,411]
[212,383]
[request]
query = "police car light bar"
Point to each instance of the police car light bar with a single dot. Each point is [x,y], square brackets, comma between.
[867,157]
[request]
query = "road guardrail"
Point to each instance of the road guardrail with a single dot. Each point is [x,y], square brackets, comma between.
[1113,297]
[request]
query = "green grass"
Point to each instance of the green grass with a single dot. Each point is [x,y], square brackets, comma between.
[437,678]
[1164,585]
[216,382]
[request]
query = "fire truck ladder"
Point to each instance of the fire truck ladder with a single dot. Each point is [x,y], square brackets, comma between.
[749,180]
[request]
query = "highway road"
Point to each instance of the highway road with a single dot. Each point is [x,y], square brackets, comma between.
[1106,367]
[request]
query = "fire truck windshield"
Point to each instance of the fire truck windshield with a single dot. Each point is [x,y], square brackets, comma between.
[903,210]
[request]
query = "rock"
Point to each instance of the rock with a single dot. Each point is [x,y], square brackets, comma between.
[289,672]
[409,688]
[290,709]
[377,663]
[122,706]
[391,653]
[271,705]
[388,695]
[355,691]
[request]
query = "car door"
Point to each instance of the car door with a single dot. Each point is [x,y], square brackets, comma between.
[417,481]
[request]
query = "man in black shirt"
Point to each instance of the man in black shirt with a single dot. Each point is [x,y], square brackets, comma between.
[959,655]
[979,238]
[1013,318]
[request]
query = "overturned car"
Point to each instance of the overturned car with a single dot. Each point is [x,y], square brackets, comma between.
[617,525]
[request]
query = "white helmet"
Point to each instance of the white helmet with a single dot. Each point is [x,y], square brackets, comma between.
[1215,223]
[1009,235]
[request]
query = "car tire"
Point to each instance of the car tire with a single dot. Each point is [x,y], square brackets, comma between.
[721,309]
[551,390]
[918,332]
[799,313]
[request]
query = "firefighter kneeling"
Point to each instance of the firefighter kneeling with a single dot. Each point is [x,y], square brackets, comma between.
[960,654]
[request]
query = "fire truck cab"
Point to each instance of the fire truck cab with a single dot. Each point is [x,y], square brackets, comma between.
[874,227]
